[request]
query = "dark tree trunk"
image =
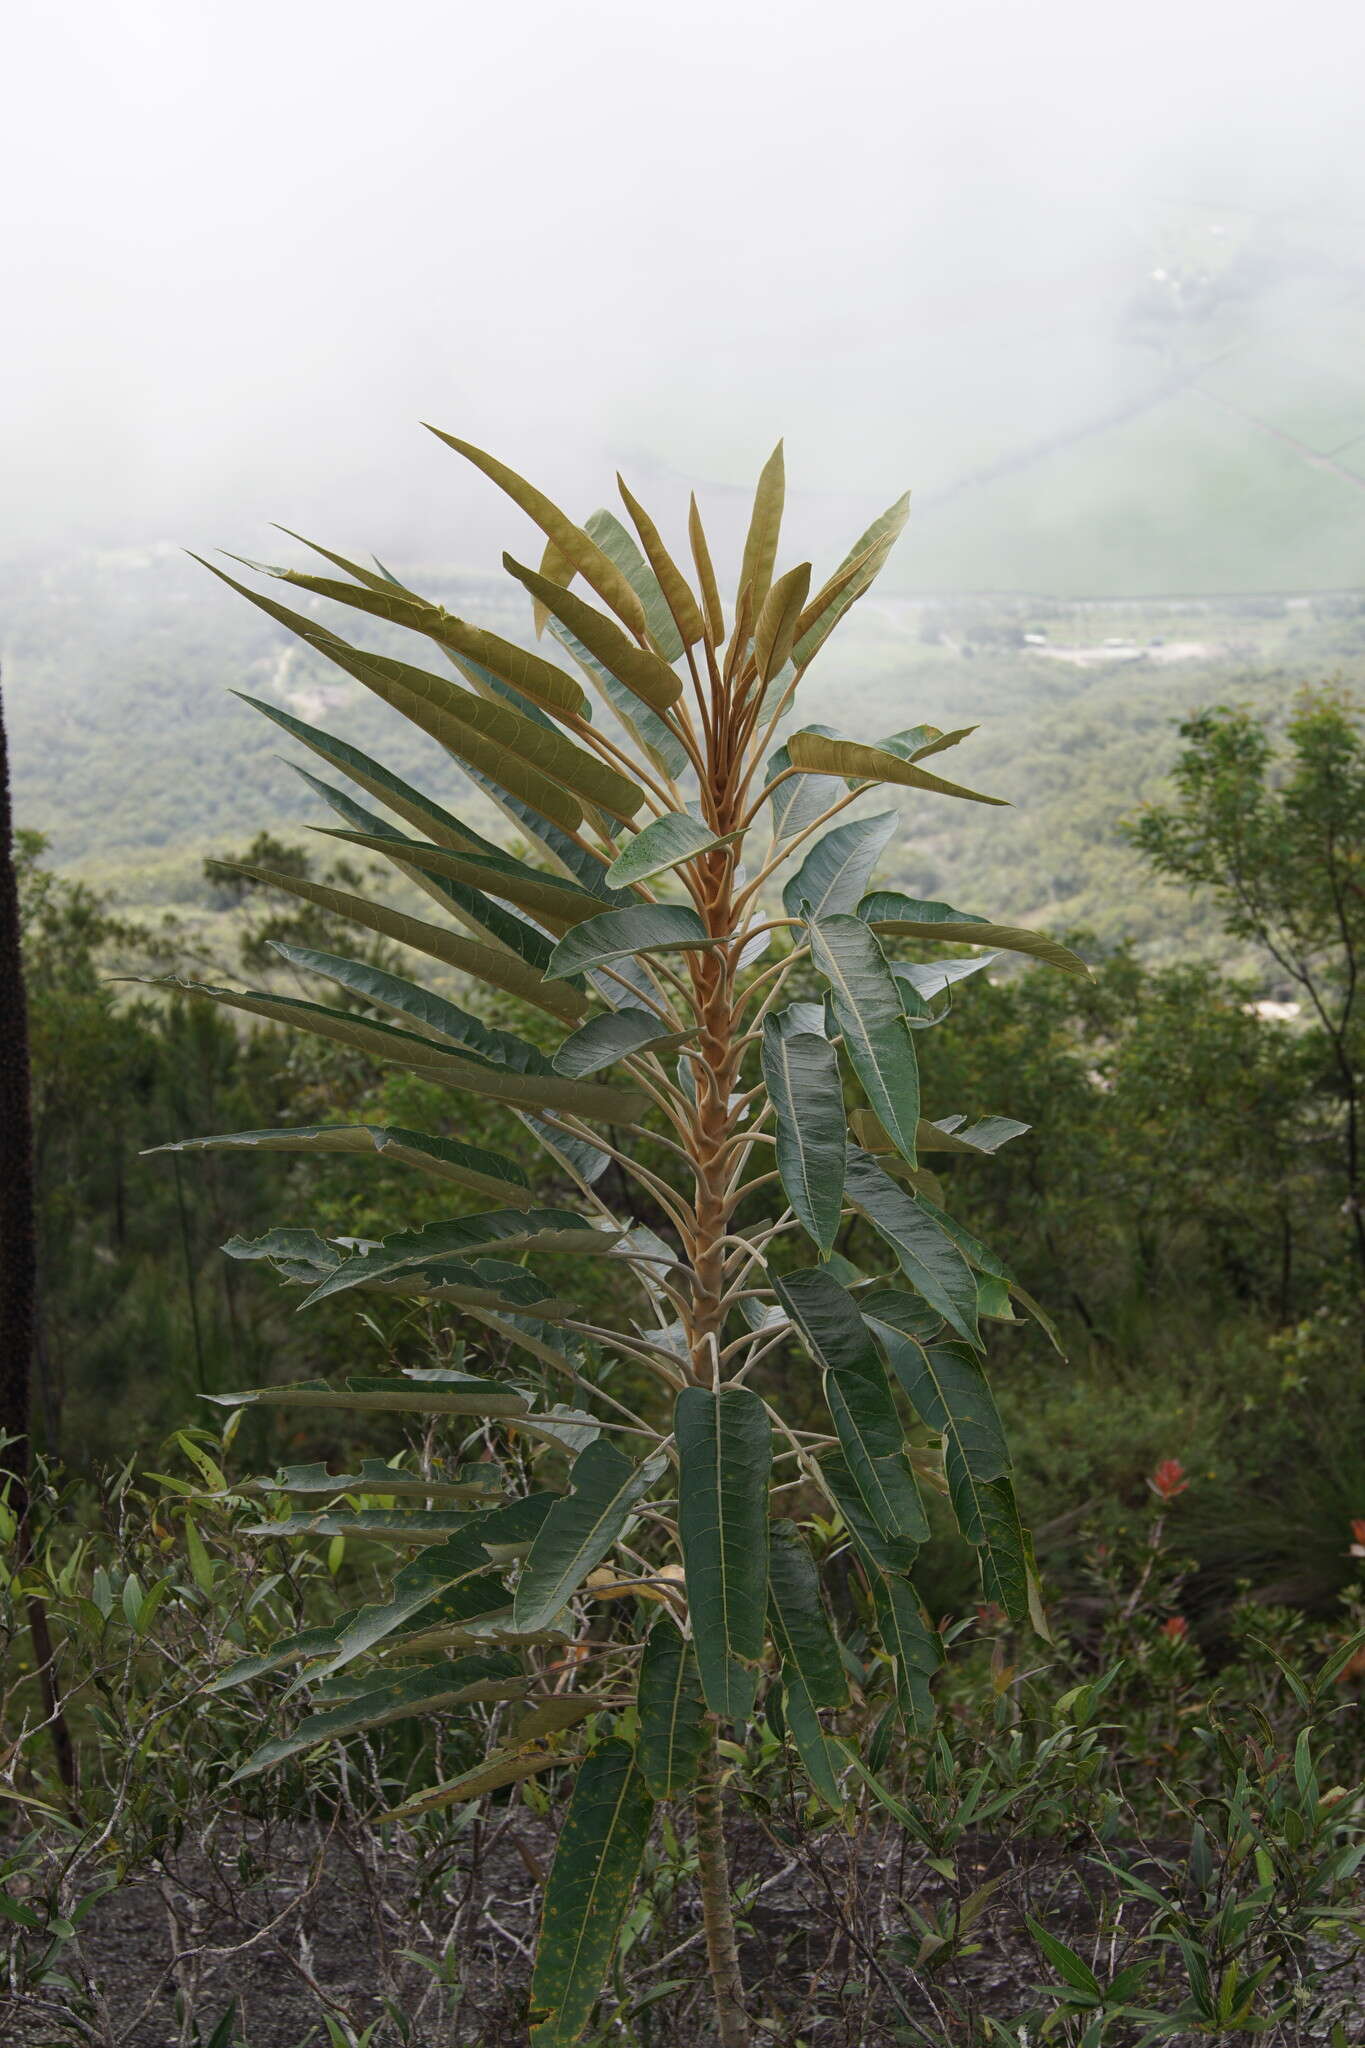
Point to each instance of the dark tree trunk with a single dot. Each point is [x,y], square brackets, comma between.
[19,1255]
[18,1241]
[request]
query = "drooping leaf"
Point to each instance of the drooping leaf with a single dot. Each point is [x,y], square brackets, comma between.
[645,674]
[591,1882]
[804,1634]
[478,1482]
[910,917]
[644,928]
[555,901]
[573,543]
[929,1259]
[765,525]
[422,1005]
[495,965]
[672,1712]
[614,1036]
[580,1529]
[822,1756]
[486,1173]
[508,1767]
[879,1552]
[662,844]
[860,1400]
[835,871]
[488,1676]
[801,1073]
[867,1010]
[725,1461]
[859,763]
[436,1062]
[948,1391]
[457,1394]
[915,1646]
[506,1231]
[412,805]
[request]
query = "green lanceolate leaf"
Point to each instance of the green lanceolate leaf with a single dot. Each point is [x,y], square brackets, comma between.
[506,1231]
[495,965]
[436,1062]
[486,1173]
[645,928]
[580,1529]
[478,1482]
[867,1009]
[400,797]
[672,1712]
[915,1646]
[706,575]
[642,672]
[725,1456]
[778,616]
[619,546]
[860,1401]
[854,576]
[556,902]
[676,590]
[614,1036]
[508,1767]
[859,763]
[801,1073]
[880,1553]
[457,1394]
[529,674]
[571,541]
[929,1259]
[422,1005]
[490,1676]
[664,843]
[948,1391]
[835,871]
[597,1859]
[822,1756]
[910,917]
[765,525]
[535,761]
[799,1618]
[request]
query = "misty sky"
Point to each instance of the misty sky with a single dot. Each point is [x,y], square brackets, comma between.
[249,245]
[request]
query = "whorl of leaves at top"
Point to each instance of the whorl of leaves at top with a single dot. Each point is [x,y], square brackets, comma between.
[657,833]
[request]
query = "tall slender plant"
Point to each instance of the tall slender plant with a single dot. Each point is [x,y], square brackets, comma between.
[646,924]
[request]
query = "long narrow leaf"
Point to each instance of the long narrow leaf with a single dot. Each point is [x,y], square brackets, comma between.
[801,1073]
[725,1462]
[593,1877]
[867,1009]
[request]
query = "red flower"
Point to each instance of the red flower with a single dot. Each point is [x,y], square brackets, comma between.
[1176,1629]
[1358,1532]
[1168,1479]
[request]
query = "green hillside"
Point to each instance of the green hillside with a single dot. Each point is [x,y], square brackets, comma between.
[135,758]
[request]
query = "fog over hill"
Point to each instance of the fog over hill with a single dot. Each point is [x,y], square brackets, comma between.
[1090,283]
